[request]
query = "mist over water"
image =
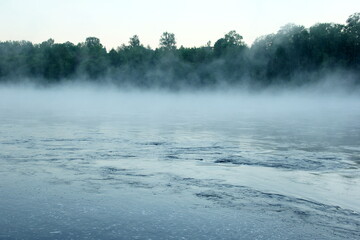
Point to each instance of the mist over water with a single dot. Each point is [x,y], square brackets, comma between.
[82,161]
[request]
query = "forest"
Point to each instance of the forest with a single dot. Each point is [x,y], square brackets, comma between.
[295,56]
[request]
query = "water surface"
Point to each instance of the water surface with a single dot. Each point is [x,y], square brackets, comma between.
[86,164]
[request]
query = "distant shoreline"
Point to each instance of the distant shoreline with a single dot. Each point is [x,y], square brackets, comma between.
[294,56]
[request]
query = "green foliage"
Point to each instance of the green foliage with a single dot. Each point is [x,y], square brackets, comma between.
[272,59]
[352,31]
[234,39]
[134,41]
[167,41]
[230,43]
[93,57]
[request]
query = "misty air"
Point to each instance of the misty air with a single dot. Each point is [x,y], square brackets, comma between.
[227,140]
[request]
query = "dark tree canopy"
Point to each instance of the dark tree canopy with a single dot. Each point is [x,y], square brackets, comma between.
[167,41]
[272,59]
[134,41]
[232,41]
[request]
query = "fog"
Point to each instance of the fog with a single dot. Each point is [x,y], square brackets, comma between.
[95,161]
[222,141]
[85,98]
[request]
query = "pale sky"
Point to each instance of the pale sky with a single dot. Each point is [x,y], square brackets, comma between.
[194,22]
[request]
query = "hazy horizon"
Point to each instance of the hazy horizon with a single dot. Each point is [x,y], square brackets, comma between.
[81,162]
[220,141]
[194,23]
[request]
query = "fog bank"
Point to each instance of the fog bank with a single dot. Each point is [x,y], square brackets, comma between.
[91,100]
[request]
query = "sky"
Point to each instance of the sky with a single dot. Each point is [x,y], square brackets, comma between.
[194,22]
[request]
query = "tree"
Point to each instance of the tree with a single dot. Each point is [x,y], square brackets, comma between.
[134,41]
[232,41]
[49,43]
[353,39]
[273,59]
[353,20]
[327,44]
[93,58]
[114,58]
[63,61]
[167,41]
[93,42]
[291,49]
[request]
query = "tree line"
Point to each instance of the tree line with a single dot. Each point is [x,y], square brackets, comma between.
[293,55]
